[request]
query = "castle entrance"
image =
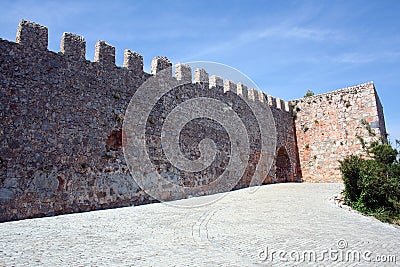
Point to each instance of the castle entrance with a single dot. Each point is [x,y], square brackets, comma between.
[284,170]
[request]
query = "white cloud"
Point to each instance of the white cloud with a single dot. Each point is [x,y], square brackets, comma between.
[295,32]
[363,58]
[280,32]
[355,58]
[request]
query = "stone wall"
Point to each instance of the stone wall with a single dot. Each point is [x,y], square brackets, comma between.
[286,167]
[62,117]
[60,114]
[327,126]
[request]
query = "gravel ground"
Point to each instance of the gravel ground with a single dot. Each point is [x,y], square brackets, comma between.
[279,225]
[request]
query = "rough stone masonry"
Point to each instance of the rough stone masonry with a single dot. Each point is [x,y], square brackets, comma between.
[62,115]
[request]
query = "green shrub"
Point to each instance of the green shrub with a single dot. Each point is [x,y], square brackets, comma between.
[309,93]
[350,168]
[383,153]
[372,185]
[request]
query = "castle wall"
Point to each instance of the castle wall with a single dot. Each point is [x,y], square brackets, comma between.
[327,126]
[62,117]
[286,144]
[59,115]
[62,131]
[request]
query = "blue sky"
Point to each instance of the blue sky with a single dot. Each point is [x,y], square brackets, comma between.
[285,47]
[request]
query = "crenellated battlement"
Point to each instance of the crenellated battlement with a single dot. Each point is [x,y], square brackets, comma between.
[133,61]
[230,86]
[288,106]
[261,96]
[34,36]
[241,89]
[73,46]
[216,81]
[183,73]
[160,63]
[104,54]
[278,103]
[200,76]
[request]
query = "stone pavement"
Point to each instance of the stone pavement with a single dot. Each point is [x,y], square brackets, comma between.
[292,224]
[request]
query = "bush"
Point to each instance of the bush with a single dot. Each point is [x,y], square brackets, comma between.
[372,186]
[309,93]
[383,153]
[350,168]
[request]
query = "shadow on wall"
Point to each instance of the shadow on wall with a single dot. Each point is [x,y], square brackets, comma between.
[284,171]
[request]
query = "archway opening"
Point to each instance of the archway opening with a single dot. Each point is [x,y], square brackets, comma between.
[284,172]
